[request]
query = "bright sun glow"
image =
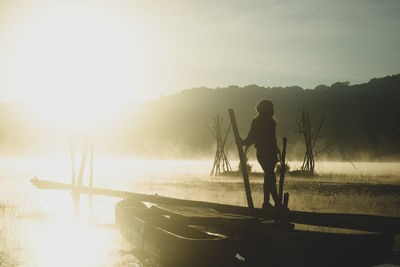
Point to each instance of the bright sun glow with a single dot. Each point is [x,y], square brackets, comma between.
[73,65]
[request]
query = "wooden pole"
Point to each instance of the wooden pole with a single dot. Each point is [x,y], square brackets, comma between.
[283,169]
[242,157]
[76,195]
[218,124]
[71,147]
[214,133]
[83,163]
[303,129]
[215,162]
[91,174]
[226,162]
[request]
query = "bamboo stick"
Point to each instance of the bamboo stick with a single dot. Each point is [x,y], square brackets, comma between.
[225,159]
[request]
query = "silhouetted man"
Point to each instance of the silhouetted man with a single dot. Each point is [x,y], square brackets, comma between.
[263,135]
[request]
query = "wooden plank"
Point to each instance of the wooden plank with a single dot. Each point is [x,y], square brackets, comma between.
[202,215]
[243,162]
[372,223]
[50,185]
[381,224]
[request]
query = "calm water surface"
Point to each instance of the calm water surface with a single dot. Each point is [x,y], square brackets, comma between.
[37,228]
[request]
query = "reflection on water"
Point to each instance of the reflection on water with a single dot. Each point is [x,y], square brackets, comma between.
[38,229]
[64,243]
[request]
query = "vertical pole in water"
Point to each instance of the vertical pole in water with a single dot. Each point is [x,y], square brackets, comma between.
[83,163]
[80,175]
[283,170]
[75,198]
[91,174]
[243,162]
[71,147]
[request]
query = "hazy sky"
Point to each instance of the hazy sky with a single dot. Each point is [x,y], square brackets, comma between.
[116,49]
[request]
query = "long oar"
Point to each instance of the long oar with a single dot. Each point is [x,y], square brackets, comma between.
[243,161]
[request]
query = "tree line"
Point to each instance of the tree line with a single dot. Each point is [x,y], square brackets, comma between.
[360,121]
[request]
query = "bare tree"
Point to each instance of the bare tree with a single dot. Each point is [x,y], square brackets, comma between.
[310,139]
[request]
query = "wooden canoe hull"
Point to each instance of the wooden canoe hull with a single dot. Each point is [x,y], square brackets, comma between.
[272,243]
[307,248]
[266,243]
[172,244]
[381,224]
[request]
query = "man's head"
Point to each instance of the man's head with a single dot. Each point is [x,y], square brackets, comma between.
[265,108]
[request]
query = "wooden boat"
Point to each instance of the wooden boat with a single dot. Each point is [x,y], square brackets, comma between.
[170,242]
[190,233]
[188,236]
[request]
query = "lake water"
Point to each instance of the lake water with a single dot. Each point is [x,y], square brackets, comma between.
[37,227]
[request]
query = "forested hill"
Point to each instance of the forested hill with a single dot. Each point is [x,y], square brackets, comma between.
[361,121]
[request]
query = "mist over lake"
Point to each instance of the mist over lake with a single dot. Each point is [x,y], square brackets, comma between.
[199,133]
[38,228]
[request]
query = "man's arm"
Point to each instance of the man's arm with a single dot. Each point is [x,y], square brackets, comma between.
[250,137]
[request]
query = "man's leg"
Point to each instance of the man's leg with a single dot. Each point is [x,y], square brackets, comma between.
[267,190]
[267,167]
[271,180]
